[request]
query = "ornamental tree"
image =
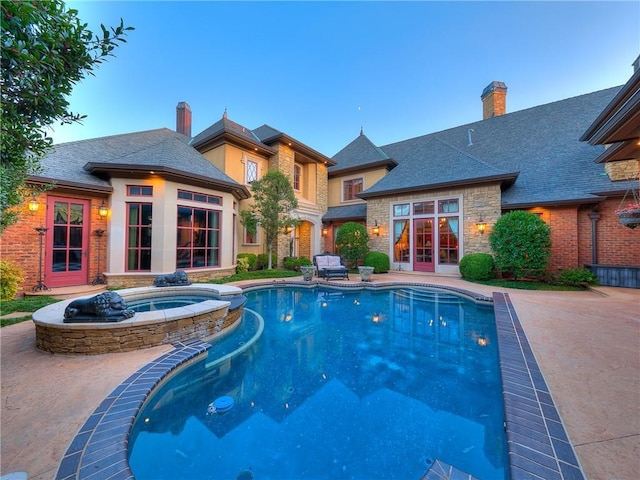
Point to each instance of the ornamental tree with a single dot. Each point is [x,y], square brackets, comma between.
[521,243]
[273,202]
[45,51]
[352,242]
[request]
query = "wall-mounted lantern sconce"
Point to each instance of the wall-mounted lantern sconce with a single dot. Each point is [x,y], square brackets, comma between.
[482,225]
[33,205]
[103,211]
[325,231]
[376,229]
[287,230]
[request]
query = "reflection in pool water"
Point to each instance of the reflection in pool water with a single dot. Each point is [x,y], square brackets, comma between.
[342,384]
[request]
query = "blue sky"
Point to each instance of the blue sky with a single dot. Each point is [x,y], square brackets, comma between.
[319,71]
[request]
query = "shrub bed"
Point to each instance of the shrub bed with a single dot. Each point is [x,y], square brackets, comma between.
[378,260]
[477,266]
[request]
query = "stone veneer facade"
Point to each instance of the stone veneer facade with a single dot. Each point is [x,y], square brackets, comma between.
[95,339]
[146,279]
[476,200]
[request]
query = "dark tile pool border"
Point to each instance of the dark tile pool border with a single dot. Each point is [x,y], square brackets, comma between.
[538,446]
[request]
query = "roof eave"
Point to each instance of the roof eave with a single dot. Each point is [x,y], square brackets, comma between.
[597,130]
[552,203]
[301,147]
[388,163]
[621,151]
[229,137]
[66,184]
[239,191]
[510,177]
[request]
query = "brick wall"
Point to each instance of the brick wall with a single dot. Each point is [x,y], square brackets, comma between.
[20,242]
[563,222]
[616,244]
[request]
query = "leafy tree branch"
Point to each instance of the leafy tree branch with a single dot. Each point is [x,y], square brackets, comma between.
[45,51]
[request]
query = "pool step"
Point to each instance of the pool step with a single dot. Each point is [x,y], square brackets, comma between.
[430,296]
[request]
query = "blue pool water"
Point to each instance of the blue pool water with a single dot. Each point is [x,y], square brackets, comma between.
[341,385]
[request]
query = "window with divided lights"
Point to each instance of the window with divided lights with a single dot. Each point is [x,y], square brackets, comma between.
[200,197]
[139,237]
[446,215]
[297,177]
[198,238]
[350,188]
[139,191]
[249,238]
[252,171]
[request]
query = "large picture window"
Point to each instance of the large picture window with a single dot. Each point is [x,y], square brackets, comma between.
[350,188]
[139,237]
[448,240]
[401,241]
[426,233]
[198,238]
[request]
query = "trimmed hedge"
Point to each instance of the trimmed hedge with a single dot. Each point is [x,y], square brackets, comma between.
[477,266]
[251,258]
[294,263]
[577,277]
[378,260]
[263,261]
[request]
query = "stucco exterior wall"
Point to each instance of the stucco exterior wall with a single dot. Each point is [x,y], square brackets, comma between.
[165,203]
[369,177]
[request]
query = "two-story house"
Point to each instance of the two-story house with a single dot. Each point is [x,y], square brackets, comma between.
[123,209]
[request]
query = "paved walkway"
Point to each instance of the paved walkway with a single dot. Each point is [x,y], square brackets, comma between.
[587,345]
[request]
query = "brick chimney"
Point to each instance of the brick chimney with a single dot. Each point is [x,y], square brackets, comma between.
[494,100]
[183,119]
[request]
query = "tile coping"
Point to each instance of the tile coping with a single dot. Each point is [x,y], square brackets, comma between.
[537,444]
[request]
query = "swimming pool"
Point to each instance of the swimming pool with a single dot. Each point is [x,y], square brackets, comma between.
[342,384]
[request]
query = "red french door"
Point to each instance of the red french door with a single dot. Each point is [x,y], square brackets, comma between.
[423,245]
[67,242]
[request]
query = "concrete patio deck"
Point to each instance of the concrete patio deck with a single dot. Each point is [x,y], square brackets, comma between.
[587,345]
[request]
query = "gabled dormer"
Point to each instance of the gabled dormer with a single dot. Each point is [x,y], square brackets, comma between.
[358,166]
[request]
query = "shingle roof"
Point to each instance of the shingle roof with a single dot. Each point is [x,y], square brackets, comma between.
[346,212]
[539,145]
[223,127]
[163,150]
[360,153]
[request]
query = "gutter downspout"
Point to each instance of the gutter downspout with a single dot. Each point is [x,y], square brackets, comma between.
[594,216]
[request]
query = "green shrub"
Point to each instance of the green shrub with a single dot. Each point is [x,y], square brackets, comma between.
[477,266]
[10,278]
[262,261]
[352,242]
[294,263]
[304,261]
[378,260]
[576,276]
[521,243]
[242,265]
[251,257]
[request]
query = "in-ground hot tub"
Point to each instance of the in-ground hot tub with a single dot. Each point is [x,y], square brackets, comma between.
[219,307]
